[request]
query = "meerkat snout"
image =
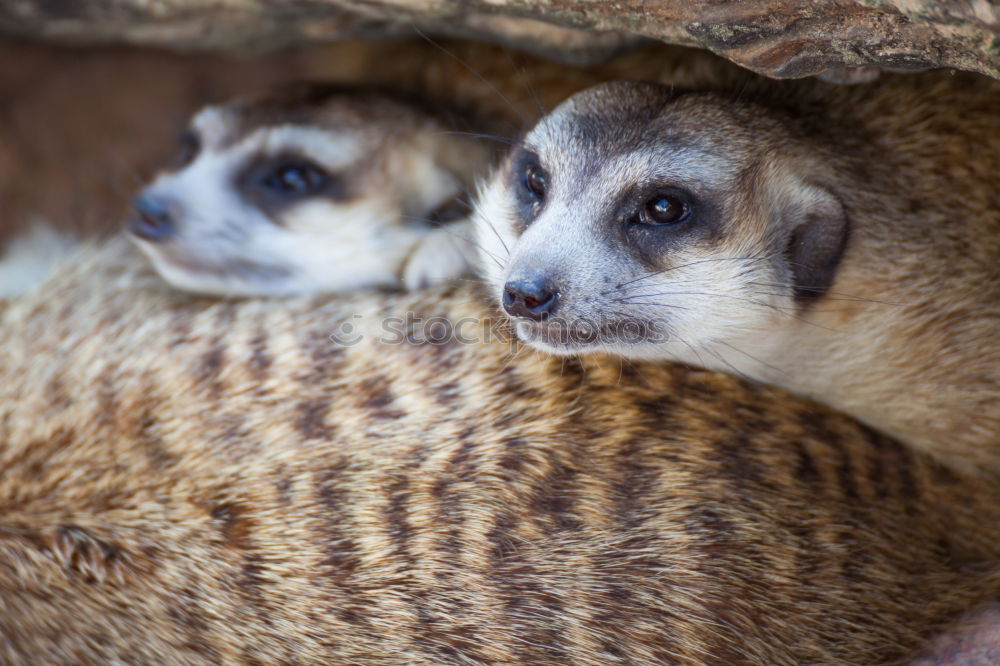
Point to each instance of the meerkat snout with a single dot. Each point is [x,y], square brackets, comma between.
[311,188]
[783,239]
[153,219]
[632,209]
[531,298]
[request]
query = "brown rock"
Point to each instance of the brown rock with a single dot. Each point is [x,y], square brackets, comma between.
[779,38]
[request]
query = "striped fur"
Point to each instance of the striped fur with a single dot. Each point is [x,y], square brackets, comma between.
[187,481]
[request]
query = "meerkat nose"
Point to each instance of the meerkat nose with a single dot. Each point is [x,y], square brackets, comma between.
[532,298]
[153,220]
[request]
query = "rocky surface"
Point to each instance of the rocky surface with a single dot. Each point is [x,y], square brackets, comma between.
[842,39]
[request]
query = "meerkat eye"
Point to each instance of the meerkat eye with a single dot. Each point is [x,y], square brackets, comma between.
[281,180]
[299,178]
[190,147]
[664,209]
[535,180]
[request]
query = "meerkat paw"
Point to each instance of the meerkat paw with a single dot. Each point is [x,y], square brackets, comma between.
[444,254]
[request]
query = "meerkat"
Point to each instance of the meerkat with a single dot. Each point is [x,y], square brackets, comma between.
[49,163]
[312,188]
[200,481]
[843,243]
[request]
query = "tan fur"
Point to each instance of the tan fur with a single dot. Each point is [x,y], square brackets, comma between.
[77,172]
[906,336]
[921,359]
[190,481]
[139,101]
[186,481]
[924,146]
[383,169]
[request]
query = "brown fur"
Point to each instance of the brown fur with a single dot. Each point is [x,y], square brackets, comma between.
[193,482]
[907,338]
[912,361]
[189,481]
[901,320]
[53,146]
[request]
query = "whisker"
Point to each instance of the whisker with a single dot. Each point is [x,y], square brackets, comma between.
[645,294]
[445,229]
[479,135]
[750,356]
[761,304]
[847,304]
[679,293]
[579,391]
[782,311]
[690,263]
[672,307]
[495,232]
[638,371]
[838,295]
[736,371]
[519,71]
[644,286]
[473,71]
[694,351]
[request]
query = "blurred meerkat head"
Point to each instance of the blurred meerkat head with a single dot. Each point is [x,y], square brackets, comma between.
[651,224]
[310,188]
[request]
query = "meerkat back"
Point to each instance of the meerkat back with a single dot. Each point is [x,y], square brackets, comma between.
[329,481]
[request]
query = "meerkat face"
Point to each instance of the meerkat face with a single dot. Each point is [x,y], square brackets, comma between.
[301,192]
[650,224]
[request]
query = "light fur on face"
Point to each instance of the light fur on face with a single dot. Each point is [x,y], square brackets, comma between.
[803,258]
[378,179]
[680,291]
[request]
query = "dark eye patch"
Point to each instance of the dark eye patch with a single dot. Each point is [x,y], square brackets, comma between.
[190,146]
[278,181]
[656,217]
[531,184]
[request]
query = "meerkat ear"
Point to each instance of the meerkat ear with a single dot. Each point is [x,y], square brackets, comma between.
[817,235]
